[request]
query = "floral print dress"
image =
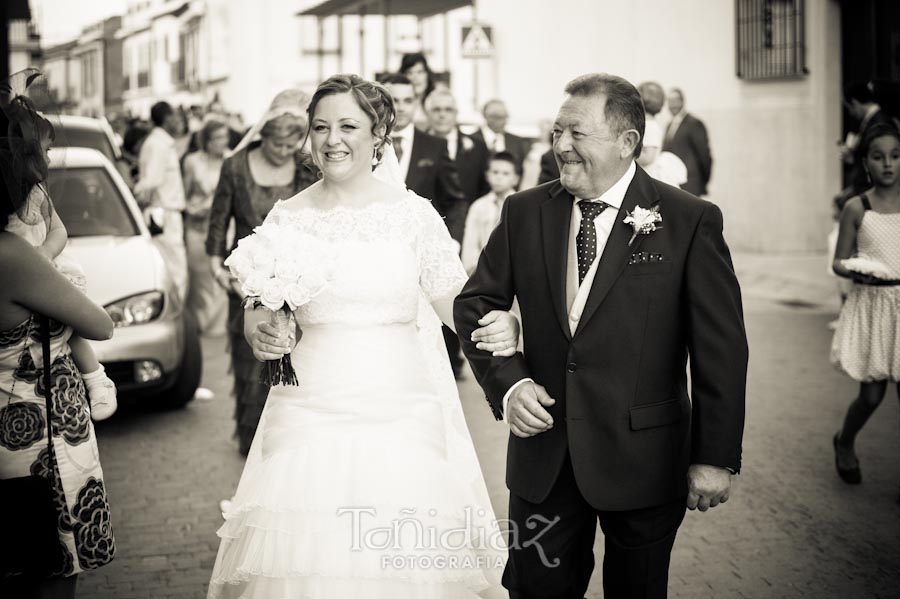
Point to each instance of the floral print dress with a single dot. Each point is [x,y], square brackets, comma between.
[74,468]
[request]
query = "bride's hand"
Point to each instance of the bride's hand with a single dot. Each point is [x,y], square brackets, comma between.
[499,333]
[266,343]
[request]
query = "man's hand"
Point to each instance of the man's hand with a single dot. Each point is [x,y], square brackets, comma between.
[525,410]
[708,486]
[499,333]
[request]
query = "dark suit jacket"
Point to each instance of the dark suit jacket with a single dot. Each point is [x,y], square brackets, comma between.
[622,408]
[549,168]
[515,145]
[433,175]
[691,144]
[471,163]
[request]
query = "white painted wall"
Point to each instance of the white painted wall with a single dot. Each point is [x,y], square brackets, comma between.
[775,163]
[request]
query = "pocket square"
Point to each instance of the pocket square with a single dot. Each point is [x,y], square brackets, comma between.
[425,163]
[645,258]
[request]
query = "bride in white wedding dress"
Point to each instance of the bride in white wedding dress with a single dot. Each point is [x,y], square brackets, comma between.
[362,481]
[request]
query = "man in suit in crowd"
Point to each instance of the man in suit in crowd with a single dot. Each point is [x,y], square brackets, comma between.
[469,154]
[602,427]
[495,136]
[430,172]
[424,160]
[686,138]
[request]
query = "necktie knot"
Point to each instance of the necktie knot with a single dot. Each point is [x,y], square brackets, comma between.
[398,146]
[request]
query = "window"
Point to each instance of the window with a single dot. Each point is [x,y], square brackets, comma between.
[770,39]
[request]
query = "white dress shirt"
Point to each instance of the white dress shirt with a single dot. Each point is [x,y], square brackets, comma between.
[160,185]
[452,142]
[577,295]
[406,140]
[496,142]
[674,124]
[482,219]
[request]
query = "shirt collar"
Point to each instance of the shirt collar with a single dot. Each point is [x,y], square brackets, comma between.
[405,134]
[615,195]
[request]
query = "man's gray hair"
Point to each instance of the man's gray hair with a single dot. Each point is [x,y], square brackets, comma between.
[440,91]
[624,109]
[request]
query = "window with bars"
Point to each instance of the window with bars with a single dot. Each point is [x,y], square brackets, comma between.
[770,39]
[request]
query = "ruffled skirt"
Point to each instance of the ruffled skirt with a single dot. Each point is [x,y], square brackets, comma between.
[866,342]
[353,487]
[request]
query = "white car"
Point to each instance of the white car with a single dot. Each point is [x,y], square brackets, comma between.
[155,350]
[87,132]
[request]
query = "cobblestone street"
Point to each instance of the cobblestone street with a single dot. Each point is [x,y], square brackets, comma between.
[791,529]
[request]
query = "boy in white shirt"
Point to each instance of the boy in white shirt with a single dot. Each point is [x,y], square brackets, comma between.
[484,213]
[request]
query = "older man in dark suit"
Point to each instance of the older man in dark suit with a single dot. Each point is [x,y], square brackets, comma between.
[613,302]
[686,138]
[469,153]
[495,136]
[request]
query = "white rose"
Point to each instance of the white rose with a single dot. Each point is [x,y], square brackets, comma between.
[253,284]
[264,262]
[272,296]
[239,264]
[296,296]
[287,269]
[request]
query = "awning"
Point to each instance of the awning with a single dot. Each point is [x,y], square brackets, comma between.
[418,8]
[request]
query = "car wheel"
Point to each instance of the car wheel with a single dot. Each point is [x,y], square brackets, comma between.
[187,379]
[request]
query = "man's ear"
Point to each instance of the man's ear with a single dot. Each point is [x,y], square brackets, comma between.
[630,140]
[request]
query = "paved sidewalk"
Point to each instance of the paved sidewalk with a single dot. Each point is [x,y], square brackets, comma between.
[791,529]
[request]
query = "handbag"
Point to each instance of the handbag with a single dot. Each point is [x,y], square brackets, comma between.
[30,544]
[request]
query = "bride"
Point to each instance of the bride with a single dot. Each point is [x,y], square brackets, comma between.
[362,481]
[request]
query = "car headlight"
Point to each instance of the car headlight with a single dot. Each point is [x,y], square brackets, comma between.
[136,309]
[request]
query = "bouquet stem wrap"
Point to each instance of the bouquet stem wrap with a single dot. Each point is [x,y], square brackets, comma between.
[280,371]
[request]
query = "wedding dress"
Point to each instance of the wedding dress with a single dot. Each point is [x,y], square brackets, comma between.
[362,481]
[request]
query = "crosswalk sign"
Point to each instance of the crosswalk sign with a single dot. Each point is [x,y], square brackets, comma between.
[476,41]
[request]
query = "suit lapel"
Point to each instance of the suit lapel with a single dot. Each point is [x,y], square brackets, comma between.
[617,251]
[556,216]
[414,154]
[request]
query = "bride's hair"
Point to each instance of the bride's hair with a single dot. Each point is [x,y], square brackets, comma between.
[373,98]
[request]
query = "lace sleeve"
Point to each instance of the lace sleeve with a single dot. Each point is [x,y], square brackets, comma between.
[441,273]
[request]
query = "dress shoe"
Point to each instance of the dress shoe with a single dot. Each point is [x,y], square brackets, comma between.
[846,463]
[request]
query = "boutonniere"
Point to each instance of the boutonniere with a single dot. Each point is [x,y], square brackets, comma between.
[643,221]
[467,144]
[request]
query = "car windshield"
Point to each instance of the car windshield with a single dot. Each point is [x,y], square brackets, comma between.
[89,203]
[78,137]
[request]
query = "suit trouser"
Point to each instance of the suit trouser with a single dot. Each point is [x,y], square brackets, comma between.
[553,559]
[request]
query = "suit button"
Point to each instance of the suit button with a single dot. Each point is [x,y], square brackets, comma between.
[571,367]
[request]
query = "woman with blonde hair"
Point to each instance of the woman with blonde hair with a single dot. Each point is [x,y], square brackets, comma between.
[268,165]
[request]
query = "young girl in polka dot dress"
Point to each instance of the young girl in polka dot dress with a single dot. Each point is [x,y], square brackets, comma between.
[867,340]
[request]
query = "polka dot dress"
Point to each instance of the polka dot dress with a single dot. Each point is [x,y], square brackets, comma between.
[587,236]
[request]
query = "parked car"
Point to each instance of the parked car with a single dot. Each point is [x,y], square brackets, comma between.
[87,132]
[155,350]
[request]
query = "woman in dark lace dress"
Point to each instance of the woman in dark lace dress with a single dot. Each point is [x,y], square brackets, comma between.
[260,172]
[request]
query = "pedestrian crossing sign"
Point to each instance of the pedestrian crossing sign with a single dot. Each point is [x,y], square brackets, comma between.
[476,41]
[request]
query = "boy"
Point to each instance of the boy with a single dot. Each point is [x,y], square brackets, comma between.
[484,214]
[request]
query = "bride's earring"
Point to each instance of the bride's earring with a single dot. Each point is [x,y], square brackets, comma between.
[375,157]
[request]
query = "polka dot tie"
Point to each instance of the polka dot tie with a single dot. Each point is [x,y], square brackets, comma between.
[587,236]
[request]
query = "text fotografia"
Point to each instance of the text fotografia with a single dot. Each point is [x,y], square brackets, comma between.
[441,562]
[408,533]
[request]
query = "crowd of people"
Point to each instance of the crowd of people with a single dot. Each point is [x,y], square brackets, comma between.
[337,165]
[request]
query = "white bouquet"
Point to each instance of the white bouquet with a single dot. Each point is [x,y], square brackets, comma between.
[281,270]
[863,264]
